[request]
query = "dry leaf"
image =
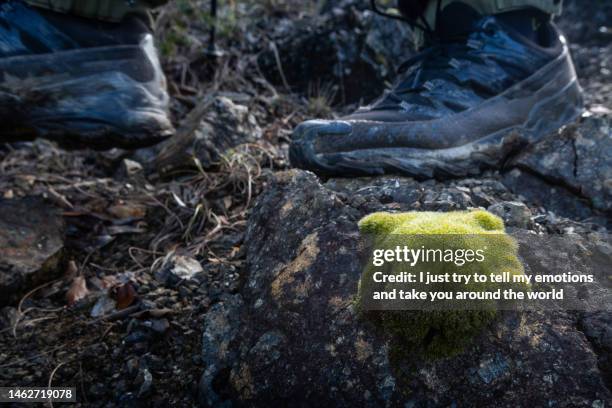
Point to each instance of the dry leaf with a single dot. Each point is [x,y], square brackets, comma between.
[126,210]
[77,291]
[109,281]
[125,295]
[125,229]
[71,270]
[227,202]
[235,251]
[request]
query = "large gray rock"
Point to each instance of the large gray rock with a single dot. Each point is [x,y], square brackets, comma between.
[578,158]
[299,341]
[31,243]
[209,132]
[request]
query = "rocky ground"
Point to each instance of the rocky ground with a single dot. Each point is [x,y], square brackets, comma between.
[155,279]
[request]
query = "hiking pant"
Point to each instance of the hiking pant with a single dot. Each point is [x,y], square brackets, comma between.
[106,10]
[115,10]
[428,9]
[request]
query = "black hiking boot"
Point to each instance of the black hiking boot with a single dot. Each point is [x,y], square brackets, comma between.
[463,104]
[80,82]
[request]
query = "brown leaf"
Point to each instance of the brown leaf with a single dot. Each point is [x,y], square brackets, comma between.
[71,270]
[125,229]
[77,291]
[126,210]
[235,252]
[125,295]
[109,281]
[227,202]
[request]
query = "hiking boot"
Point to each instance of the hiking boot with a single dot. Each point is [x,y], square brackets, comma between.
[482,91]
[80,82]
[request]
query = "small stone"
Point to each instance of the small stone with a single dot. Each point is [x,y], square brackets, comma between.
[104,305]
[132,365]
[147,381]
[160,325]
[492,369]
[176,269]
[481,199]
[130,167]
[514,213]
[31,244]
[137,336]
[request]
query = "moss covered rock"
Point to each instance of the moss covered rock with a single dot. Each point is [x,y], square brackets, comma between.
[447,238]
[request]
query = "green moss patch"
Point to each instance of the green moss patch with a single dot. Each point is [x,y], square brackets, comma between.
[440,333]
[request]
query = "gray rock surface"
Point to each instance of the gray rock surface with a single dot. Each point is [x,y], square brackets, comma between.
[299,341]
[578,158]
[221,326]
[31,243]
[209,132]
[514,213]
